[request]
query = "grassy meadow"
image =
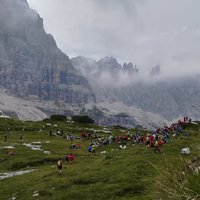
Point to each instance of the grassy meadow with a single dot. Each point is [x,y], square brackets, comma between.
[134,173]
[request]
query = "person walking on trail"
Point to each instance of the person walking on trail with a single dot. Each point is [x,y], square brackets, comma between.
[21,138]
[59,165]
[50,134]
[5,137]
[157,147]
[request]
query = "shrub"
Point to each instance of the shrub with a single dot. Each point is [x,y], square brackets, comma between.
[82,119]
[118,127]
[58,117]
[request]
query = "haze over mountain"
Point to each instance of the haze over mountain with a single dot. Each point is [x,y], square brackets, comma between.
[113,83]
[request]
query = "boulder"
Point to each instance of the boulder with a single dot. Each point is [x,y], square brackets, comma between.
[185,151]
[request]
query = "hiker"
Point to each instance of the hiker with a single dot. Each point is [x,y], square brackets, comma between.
[95,134]
[89,135]
[83,135]
[147,143]
[61,133]
[50,133]
[69,158]
[72,146]
[90,148]
[75,146]
[5,137]
[93,149]
[59,165]
[21,138]
[58,132]
[156,145]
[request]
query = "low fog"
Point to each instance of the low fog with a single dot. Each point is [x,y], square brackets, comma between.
[146,33]
[108,73]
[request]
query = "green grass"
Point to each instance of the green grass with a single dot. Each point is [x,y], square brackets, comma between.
[134,173]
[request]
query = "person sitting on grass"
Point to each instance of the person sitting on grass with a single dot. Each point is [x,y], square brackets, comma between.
[59,165]
[74,146]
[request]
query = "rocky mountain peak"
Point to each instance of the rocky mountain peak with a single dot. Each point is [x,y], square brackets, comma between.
[108,60]
[109,64]
[129,68]
[30,61]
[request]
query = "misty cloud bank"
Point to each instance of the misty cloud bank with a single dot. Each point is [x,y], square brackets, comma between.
[108,73]
[146,33]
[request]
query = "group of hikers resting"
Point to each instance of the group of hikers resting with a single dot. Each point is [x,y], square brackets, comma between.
[150,139]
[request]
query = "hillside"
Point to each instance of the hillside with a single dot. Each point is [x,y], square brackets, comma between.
[134,172]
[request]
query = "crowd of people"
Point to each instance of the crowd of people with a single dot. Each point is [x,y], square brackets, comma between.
[150,139]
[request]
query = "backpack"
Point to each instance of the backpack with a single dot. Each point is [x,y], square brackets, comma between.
[59,163]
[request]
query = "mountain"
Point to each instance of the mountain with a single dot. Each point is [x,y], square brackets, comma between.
[37,79]
[170,98]
[31,64]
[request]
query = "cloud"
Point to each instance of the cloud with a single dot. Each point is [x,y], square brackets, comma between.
[144,32]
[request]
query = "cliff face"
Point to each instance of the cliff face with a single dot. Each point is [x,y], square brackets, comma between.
[31,63]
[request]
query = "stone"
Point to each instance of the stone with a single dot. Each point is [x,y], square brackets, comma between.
[185,151]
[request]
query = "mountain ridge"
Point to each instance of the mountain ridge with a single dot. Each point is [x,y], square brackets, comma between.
[171,98]
[37,74]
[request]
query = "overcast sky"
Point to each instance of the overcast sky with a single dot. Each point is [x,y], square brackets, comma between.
[145,32]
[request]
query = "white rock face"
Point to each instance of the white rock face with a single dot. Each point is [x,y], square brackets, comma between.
[31,109]
[23,109]
[2,115]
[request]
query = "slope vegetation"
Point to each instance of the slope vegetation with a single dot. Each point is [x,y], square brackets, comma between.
[134,172]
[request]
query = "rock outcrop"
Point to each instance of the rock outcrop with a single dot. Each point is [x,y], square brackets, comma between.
[31,64]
